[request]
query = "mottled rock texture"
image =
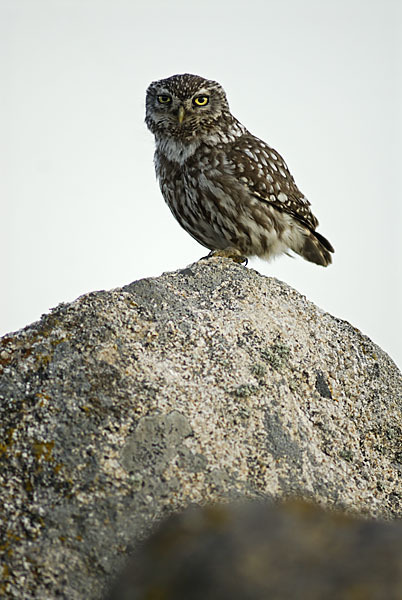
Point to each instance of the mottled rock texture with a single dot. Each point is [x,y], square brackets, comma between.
[207,384]
[294,551]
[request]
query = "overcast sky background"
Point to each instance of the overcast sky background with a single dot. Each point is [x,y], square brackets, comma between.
[318,80]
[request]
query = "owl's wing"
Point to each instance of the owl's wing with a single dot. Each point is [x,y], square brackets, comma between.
[264,172]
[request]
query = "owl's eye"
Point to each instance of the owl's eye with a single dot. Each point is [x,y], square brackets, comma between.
[201,100]
[164,99]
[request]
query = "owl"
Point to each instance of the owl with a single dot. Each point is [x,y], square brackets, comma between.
[228,189]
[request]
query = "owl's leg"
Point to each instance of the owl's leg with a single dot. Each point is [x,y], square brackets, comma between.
[229,252]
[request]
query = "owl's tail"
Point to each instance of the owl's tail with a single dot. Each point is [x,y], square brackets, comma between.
[316,249]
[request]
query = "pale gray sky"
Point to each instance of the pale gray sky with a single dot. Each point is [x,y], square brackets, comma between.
[318,80]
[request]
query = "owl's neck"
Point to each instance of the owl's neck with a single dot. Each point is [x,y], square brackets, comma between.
[180,149]
[176,150]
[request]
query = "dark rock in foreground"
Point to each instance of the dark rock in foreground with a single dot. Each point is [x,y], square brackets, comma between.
[258,552]
[206,384]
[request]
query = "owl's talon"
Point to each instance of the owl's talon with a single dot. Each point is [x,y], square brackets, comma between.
[207,256]
[231,253]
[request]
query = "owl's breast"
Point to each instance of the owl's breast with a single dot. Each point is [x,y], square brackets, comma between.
[196,192]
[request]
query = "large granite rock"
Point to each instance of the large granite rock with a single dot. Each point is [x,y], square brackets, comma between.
[207,384]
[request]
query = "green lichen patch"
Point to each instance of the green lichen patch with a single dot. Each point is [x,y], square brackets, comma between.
[276,355]
[245,390]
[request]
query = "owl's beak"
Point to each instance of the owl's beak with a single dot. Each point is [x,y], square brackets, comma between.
[180,114]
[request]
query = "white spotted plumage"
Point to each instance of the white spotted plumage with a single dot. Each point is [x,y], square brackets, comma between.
[227,188]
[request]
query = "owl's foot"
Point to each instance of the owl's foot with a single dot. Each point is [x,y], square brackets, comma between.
[229,252]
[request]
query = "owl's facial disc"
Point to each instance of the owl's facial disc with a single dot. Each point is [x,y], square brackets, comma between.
[183,106]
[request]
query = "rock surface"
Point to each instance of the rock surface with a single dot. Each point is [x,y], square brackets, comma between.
[207,384]
[261,552]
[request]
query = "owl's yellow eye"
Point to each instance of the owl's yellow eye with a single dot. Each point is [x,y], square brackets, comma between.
[201,100]
[164,99]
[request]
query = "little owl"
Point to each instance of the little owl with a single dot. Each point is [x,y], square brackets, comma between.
[228,189]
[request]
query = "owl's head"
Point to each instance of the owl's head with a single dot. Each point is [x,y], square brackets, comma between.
[184,106]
